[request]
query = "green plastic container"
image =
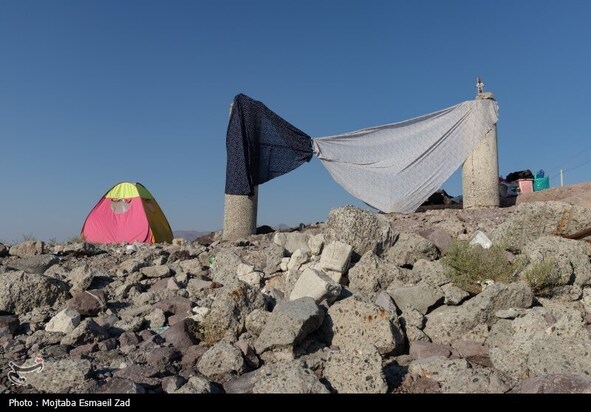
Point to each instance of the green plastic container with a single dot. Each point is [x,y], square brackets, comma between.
[541,183]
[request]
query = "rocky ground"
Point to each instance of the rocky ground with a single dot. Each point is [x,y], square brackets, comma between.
[361,303]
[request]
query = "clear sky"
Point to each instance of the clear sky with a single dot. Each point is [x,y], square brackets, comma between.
[97,92]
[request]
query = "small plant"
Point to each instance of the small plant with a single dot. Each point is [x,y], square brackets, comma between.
[470,266]
[28,237]
[542,276]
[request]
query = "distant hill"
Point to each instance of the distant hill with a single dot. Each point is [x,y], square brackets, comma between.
[189,234]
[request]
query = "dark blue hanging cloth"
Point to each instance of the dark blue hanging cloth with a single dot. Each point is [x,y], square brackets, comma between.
[260,146]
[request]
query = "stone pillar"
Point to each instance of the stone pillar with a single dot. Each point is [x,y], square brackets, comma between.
[480,172]
[240,216]
[240,212]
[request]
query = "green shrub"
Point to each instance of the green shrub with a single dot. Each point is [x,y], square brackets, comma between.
[468,266]
[542,276]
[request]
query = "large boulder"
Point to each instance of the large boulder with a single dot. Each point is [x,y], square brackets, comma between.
[289,323]
[370,275]
[35,264]
[27,248]
[530,221]
[60,376]
[421,297]
[291,377]
[447,324]
[410,248]
[354,325]
[228,312]
[456,376]
[21,292]
[221,361]
[225,268]
[570,257]
[355,372]
[556,383]
[364,231]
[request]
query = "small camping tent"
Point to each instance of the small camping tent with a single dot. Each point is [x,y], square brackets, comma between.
[126,213]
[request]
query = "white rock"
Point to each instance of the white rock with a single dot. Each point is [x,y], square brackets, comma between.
[65,321]
[316,285]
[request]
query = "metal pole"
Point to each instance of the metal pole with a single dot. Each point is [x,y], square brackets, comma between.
[561,180]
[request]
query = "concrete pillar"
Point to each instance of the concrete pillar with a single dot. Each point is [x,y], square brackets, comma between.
[480,172]
[240,215]
[240,212]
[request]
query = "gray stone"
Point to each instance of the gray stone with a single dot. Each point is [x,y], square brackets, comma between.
[155,319]
[363,230]
[447,324]
[27,248]
[554,384]
[283,378]
[140,374]
[570,257]
[225,268]
[370,275]
[256,320]
[241,384]
[88,331]
[412,317]
[89,302]
[510,313]
[453,295]
[415,334]
[422,350]
[297,259]
[509,362]
[64,321]
[430,272]
[470,349]
[292,241]
[456,376]
[21,292]
[550,218]
[355,372]
[197,385]
[419,297]
[221,361]
[4,250]
[176,305]
[161,357]
[35,264]
[410,248]
[80,278]
[439,237]
[336,256]
[191,266]
[316,244]
[289,323]
[79,249]
[60,376]
[384,301]
[355,324]
[183,334]
[132,265]
[158,271]
[317,285]
[172,383]
[8,324]
[228,312]
[192,354]
[559,355]
[121,386]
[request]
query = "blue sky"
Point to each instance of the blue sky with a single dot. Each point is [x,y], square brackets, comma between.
[97,92]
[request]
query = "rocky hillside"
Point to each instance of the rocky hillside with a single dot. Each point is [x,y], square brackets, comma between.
[363,303]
